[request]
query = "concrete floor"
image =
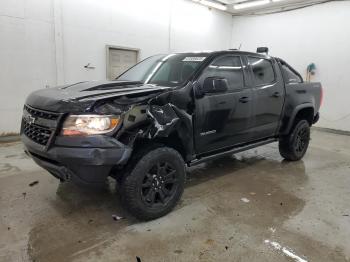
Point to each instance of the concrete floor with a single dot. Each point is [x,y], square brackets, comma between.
[254,207]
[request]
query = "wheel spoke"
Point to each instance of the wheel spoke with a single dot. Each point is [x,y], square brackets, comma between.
[169,174]
[167,166]
[172,172]
[161,196]
[150,197]
[301,140]
[147,184]
[170,180]
[298,142]
[165,191]
[161,172]
[149,177]
[169,177]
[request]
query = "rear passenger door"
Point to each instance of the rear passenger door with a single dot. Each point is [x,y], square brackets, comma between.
[268,95]
[222,119]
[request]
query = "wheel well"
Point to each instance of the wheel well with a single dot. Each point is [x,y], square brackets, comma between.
[172,141]
[305,113]
[143,145]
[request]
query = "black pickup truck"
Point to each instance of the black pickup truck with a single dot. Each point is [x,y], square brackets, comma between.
[165,112]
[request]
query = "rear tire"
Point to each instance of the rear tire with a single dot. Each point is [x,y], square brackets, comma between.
[153,182]
[294,146]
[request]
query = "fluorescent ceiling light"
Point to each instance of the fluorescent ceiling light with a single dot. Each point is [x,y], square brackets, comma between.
[211,4]
[251,4]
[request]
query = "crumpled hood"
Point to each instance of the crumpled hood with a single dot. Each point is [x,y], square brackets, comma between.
[82,96]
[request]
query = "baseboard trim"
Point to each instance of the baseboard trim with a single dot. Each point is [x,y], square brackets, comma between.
[9,138]
[333,131]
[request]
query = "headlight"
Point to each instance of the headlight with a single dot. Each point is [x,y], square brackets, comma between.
[77,125]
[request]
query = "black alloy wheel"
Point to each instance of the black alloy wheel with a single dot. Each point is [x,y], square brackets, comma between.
[301,140]
[159,184]
[293,146]
[153,182]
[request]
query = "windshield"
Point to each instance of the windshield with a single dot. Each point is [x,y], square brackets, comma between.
[165,70]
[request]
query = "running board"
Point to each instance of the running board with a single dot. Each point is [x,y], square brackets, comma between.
[232,151]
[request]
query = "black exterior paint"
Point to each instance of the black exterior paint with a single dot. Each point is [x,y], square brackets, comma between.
[181,117]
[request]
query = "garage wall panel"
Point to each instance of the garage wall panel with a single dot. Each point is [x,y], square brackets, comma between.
[318,34]
[87,31]
[41,45]
[153,26]
[27,59]
[199,28]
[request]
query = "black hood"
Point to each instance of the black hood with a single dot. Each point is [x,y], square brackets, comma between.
[82,96]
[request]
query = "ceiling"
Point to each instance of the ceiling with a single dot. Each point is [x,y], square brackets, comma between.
[268,8]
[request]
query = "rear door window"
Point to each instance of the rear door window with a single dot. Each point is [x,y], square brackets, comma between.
[263,71]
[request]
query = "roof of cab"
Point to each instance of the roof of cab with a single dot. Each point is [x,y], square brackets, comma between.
[229,51]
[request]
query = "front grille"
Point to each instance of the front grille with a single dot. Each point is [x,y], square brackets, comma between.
[36,133]
[39,125]
[41,113]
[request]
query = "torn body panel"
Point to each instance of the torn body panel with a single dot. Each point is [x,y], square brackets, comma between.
[146,123]
[154,117]
[164,120]
[173,114]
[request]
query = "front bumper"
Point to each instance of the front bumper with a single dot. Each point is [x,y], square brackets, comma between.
[84,160]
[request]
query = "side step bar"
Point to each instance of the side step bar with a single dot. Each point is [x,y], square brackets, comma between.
[231,151]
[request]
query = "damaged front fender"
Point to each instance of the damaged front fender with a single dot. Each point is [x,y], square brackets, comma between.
[164,120]
[174,124]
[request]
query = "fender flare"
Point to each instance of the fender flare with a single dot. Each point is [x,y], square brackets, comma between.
[294,113]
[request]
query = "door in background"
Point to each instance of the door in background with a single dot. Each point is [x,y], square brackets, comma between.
[119,60]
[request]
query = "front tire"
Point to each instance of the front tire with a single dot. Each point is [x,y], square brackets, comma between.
[294,146]
[153,183]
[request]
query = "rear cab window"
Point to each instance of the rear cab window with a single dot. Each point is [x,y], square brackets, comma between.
[289,75]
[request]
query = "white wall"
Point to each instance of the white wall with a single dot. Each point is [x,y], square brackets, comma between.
[318,34]
[27,57]
[45,42]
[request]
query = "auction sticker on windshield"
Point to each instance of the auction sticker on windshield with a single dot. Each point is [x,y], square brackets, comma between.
[194,59]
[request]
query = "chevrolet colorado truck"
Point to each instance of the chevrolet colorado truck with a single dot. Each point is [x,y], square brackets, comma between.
[166,112]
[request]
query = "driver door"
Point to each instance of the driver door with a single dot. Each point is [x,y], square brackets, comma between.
[223,119]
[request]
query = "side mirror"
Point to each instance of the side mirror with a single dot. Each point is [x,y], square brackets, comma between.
[214,85]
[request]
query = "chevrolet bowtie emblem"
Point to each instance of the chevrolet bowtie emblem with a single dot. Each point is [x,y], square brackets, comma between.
[30,119]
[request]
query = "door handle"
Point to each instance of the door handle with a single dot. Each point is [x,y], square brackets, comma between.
[276,94]
[244,99]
